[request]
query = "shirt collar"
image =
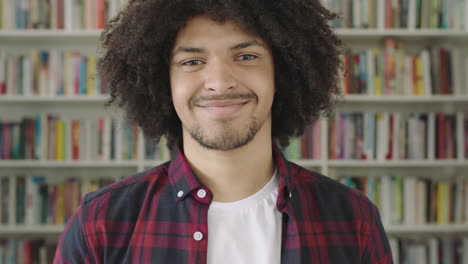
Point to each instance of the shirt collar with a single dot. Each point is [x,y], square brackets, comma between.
[185,182]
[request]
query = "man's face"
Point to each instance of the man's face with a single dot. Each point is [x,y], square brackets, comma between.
[222,83]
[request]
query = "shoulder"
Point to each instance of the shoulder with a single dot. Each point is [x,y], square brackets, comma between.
[116,208]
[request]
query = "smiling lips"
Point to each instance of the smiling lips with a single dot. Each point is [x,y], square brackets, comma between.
[223,107]
[222,103]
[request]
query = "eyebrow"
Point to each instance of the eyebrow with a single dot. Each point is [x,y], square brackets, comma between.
[239,46]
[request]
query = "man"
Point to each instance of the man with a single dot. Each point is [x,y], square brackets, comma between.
[225,81]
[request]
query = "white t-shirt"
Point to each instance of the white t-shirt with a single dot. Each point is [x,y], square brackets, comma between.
[246,231]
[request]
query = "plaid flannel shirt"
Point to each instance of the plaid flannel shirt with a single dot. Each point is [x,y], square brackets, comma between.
[156,217]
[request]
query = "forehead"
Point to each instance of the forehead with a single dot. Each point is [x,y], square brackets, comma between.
[200,28]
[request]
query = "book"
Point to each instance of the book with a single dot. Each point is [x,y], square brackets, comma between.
[410,14]
[28,251]
[396,136]
[48,137]
[415,200]
[49,73]
[57,14]
[393,70]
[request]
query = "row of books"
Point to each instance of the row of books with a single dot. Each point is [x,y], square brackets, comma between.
[408,14]
[390,71]
[41,200]
[430,250]
[49,73]
[398,136]
[386,136]
[26,251]
[34,200]
[88,14]
[369,136]
[414,200]
[395,71]
[47,137]
[57,14]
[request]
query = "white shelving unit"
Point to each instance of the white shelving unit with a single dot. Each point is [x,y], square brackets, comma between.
[14,99]
[49,33]
[406,99]
[345,34]
[391,99]
[430,229]
[397,163]
[88,106]
[66,164]
[419,34]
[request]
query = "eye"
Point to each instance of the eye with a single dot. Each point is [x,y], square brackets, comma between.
[247,57]
[192,63]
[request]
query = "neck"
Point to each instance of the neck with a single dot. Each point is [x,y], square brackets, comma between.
[236,174]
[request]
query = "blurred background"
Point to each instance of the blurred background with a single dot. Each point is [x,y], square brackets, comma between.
[399,134]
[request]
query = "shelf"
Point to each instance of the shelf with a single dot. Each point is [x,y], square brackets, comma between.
[31,230]
[405,99]
[375,34]
[304,163]
[391,230]
[65,164]
[49,35]
[427,229]
[34,33]
[341,32]
[53,99]
[353,98]
[397,163]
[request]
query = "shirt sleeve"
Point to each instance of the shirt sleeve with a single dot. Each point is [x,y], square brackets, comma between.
[72,246]
[377,249]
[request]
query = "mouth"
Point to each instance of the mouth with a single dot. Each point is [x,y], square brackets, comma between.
[223,103]
[223,107]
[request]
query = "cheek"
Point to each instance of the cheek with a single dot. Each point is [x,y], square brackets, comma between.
[177,91]
[179,99]
[265,88]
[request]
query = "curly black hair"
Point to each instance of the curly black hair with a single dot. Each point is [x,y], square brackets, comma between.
[138,43]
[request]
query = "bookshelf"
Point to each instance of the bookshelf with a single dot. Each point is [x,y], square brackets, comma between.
[72,106]
[405,34]
[11,103]
[324,165]
[392,230]
[8,99]
[71,164]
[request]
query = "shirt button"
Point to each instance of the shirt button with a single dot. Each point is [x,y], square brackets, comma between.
[180,193]
[198,236]
[290,195]
[201,193]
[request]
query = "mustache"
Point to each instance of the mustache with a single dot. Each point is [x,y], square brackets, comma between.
[231,96]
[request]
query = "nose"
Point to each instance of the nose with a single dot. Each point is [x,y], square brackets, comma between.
[219,77]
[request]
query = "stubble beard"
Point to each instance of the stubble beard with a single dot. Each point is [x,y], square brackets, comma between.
[229,138]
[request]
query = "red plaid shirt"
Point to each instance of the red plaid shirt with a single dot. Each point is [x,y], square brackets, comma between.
[152,217]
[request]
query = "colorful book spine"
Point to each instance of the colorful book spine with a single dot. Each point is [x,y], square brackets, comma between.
[31,74]
[396,71]
[36,14]
[414,200]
